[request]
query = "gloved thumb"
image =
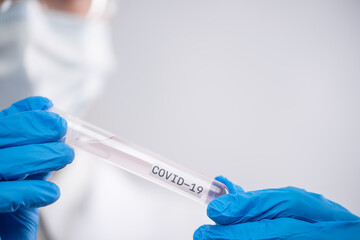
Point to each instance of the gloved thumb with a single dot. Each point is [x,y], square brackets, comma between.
[27,104]
[233,188]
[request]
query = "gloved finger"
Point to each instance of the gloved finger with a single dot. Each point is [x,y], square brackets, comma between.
[27,194]
[287,202]
[22,224]
[282,228]
[39,176]
[27,104]
[231,187]
[19,162]
[265,229]
[31,128]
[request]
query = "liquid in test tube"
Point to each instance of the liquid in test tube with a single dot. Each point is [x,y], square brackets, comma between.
[140,161]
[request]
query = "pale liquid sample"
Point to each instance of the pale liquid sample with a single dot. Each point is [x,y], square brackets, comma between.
[142,162]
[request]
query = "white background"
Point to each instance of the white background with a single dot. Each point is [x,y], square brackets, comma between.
[266,93]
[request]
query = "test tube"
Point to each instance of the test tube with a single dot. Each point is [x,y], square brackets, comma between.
[140,161]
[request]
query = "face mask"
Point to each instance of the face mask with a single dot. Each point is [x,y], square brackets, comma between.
[52,54]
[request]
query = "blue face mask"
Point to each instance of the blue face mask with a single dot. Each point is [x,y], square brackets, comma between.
[53,54]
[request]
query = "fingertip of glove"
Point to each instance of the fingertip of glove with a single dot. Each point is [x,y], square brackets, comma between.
[33,103]
[64,152]
[233,188]
[46,193]
[57,124]
[72,154]
[63,124]
[53,192]
[221,178]
[28,104]
[39,103]
[200,233]
[225,181]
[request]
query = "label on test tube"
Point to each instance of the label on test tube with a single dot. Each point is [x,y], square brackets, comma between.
[170,176]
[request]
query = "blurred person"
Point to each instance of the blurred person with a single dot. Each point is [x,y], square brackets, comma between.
[62,50]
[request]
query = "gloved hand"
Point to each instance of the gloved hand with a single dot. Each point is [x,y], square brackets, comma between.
[285,213]
[29,150]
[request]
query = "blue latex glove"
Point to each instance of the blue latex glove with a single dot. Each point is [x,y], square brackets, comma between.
[29,150]
[285,213]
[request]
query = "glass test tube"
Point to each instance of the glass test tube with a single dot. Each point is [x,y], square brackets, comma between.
[140,161]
